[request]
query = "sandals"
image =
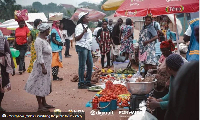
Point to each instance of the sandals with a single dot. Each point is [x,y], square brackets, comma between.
[42,110]
[58,79]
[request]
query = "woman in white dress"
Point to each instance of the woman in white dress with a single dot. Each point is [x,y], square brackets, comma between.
[39,81]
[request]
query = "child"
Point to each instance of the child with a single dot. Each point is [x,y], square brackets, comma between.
[104,44]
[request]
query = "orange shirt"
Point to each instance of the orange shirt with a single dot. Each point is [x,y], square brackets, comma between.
[21,35]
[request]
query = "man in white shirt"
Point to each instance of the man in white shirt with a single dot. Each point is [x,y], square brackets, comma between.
[83,38]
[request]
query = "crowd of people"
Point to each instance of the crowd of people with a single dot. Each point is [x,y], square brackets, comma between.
[177,78]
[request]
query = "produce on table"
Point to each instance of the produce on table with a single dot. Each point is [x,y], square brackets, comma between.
[95,99]
[129,76]
[126,71]
[95,77]
[95,88]
[113,91]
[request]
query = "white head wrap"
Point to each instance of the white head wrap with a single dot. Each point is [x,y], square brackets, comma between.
[43,26]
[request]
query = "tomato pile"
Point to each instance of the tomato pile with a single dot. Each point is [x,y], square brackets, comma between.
[107,77]
[124,102]
[111,92]
[116,89]
[95,100]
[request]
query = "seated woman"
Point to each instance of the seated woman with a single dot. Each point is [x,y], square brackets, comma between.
[161,75]
[173,63]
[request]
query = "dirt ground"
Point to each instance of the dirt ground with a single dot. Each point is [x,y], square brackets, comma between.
[65,94]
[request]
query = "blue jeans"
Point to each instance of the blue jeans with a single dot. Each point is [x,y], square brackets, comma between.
[85,57]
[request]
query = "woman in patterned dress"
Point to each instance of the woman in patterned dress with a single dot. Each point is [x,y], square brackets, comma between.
[104,44]
[39,81]
[147,38]
[32,37]
[127,38]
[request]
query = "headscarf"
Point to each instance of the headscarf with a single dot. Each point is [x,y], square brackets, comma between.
[167,44]
[55,27]
[43,26]
[174,61]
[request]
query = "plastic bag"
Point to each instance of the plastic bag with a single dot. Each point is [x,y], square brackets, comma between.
[148,116]
[21,15]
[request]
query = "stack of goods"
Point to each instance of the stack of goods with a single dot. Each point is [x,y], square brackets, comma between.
[126,71]
[21,15]
[95,77]
[113,91]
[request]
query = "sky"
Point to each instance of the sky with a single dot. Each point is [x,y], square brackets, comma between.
[72,2]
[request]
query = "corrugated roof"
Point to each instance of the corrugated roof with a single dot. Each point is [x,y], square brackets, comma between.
[33,16]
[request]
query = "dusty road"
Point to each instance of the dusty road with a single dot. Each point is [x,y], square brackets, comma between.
[65,94]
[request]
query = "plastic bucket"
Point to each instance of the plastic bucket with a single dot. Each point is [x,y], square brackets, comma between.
[94,106]
[105,106]
[114,105]
[15,53]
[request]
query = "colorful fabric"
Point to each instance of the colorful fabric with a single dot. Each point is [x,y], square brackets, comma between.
[55,47]
[193,49]
[146,34]
[34,34]
[6,67]
[126,45]
[21,35]
[167,44]
[55,60]
[43,26]
[54,26]
[105,41]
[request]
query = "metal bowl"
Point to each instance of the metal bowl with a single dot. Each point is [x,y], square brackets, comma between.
[140,88]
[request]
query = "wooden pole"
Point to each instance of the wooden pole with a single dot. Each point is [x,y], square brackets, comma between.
[177,35]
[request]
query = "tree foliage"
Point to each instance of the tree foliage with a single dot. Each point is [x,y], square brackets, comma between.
[7,8]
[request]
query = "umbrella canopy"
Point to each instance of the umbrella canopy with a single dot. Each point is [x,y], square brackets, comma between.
[12,24]
[112,5]
[132,8]
[94,15]
[69,26]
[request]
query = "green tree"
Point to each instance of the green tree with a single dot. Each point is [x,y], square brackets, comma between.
[38,6]
[7,8]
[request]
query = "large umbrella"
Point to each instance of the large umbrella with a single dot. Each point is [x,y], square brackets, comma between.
[132,8]
[69,26]
[112,5]
[94,15]
[12,24]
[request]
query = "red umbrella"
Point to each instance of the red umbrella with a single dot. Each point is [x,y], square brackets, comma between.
[94,15]
[133,8]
